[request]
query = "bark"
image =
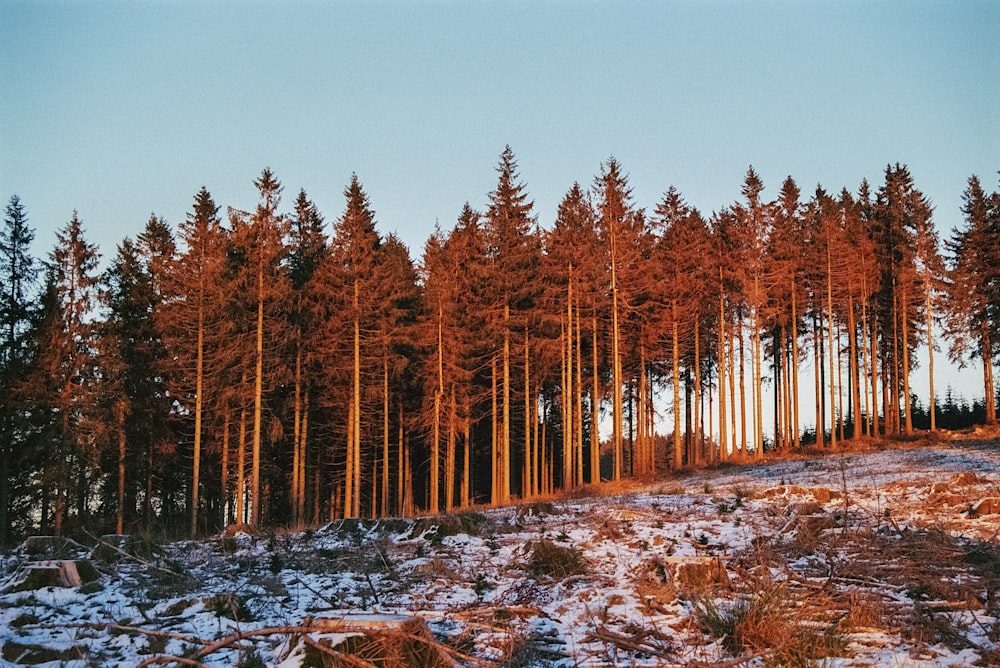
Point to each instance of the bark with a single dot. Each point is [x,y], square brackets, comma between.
[258,398]
[595,437]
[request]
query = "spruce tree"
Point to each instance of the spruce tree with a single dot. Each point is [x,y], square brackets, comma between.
[18,273]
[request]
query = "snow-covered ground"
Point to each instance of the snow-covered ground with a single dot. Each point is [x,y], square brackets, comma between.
[885,557]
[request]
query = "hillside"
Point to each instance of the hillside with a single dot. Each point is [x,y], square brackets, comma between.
[881,556]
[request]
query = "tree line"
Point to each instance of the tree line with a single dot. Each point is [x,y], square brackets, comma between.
[263,367]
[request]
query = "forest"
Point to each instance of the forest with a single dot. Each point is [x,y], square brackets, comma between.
[262,366]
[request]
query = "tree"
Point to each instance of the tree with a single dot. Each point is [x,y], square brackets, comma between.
[621,228]
[307,251]
[66,372]
[133,359]
[974,270]
[18,273]
[257,246]
[191,320]
[686,272]
[576,276]
[898,211]
[514,253]
[348,285]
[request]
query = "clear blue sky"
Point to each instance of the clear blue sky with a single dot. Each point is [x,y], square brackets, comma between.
[119,109]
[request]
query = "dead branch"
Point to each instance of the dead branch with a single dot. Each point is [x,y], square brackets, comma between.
[167,658]
[140,560]
[637,643]
[346,658]
[101,626]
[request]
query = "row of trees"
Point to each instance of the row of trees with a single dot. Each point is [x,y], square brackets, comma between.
[260,368]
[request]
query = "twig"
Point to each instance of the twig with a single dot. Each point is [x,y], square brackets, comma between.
[167,658]
[140,560]
[101,626]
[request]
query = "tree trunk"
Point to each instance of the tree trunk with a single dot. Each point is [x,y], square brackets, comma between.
[906,364]
[595,410]
[296,431]
[930,348]
[723,441]
[198,402]
[616,376]
[224,466]
[505,442]
[496,457]
[384,508]
[678,453]
[241,460]
[120,515]
[258,398]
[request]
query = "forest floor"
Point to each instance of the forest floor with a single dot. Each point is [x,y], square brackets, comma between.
[883,555]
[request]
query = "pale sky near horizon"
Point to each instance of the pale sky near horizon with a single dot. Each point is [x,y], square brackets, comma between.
[119,109]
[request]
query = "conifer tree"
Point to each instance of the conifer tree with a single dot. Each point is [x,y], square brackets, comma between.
[974,270]
[192,320]
[514,257]
[66,370]
[18,273]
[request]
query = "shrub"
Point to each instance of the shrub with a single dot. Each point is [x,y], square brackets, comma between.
[556,561]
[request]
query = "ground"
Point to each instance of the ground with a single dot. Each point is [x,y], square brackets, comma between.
[883,555]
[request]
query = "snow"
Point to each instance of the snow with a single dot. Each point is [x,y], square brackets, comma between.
[806,527]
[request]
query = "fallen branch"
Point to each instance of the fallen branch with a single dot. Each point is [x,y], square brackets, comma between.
[346,658]
[166,658]
[102,626]
[636,643]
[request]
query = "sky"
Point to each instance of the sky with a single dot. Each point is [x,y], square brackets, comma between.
[123,109]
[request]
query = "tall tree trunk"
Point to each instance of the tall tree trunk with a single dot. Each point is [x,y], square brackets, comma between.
[616,366]
[698,444]
[297,432]
[743,396]
[906,363]
[505,443]
[595,410]
[578,393]
[989,393]
[120,514]
[354,484]
[526,468]
[466,459]
[567,416]
[241,460]
[721,363]
[930,348]
[496,457]
[303,458]
[818,363]
[224,466]
[795,373]
[449,471]
[678,453]
[198,403]
[833,344]
[435,463]
[384,508]
[852,333]
[258,400]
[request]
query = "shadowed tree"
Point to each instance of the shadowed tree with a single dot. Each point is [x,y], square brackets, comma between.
[18,273]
